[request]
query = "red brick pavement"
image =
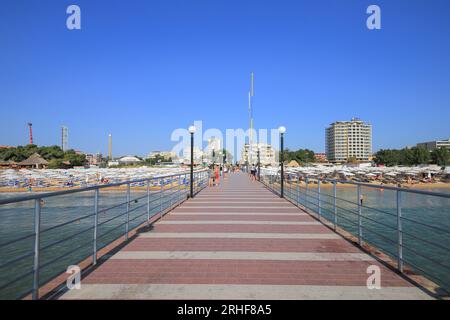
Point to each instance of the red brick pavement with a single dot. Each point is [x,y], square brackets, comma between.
[232,202]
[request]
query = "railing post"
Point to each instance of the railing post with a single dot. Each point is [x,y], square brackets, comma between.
[334,205]
[399,232]
[203,177]
[37,235]
[179,189]
[319,209]
[127,225]
[186,192]
[94,255]
[148,202]
[290,188]
[306,191]
[298,189]
[359,215]
[171,193]
[160,198]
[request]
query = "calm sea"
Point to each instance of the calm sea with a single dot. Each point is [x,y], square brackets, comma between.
[425,223]
[75,238]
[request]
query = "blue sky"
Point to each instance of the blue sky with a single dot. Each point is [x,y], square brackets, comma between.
[140,69]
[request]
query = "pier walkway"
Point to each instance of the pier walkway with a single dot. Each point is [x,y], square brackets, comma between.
[239,241]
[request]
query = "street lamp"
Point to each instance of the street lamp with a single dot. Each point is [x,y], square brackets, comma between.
[224,158]
[282,130]
[192,130]
[259,165]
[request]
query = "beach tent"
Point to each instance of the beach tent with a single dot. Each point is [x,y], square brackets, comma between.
[293,164]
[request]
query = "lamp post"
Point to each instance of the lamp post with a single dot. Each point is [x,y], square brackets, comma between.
[259,165]
[220,163]
[282,130]
[224,159]
[192,130]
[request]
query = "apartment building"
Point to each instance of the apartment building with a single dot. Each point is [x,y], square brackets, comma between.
[348,139]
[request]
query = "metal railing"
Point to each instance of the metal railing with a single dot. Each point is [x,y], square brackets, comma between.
[411,226]
[82,234]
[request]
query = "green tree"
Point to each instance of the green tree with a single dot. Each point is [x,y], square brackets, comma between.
[387,157]
[57,164]
[407,157]
[52,152]
[301,155]
[228,156]
[74,158]
[420,155]
[441,156]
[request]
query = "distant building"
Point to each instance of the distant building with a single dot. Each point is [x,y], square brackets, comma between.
[94,159]
[164,154]
[64,139]
[432,145]
[113,163]
[198,155]
[212,150]
[320,157]
[129,160]
[6,147]
[266,154]
[348,139]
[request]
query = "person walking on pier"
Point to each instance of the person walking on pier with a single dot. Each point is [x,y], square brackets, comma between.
[212,176]
[217,174]
[253,173]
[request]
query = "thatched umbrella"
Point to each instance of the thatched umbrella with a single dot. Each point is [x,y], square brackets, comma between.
[34,161]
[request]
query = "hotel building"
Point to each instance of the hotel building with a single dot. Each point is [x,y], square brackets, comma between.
[198,154]
[266,155]
[432,145]
[348,139]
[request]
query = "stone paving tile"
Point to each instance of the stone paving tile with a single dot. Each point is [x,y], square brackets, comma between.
[310,258]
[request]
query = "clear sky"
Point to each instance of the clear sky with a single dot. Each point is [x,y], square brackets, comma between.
[142,68]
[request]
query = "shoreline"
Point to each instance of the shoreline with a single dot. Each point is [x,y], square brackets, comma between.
[56,189]
[434,185]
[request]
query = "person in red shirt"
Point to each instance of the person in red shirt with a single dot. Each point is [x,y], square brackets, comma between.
[217,174]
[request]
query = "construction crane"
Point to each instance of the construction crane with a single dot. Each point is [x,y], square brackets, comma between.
[30,126]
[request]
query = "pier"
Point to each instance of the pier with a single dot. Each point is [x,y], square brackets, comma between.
[239,240]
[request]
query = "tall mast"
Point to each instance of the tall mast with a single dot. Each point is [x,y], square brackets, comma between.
[30,129]
[250,111]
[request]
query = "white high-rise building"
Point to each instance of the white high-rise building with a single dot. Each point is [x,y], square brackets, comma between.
[348,139]
[198,154]
[64,138]
[266,154]
[213,151]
